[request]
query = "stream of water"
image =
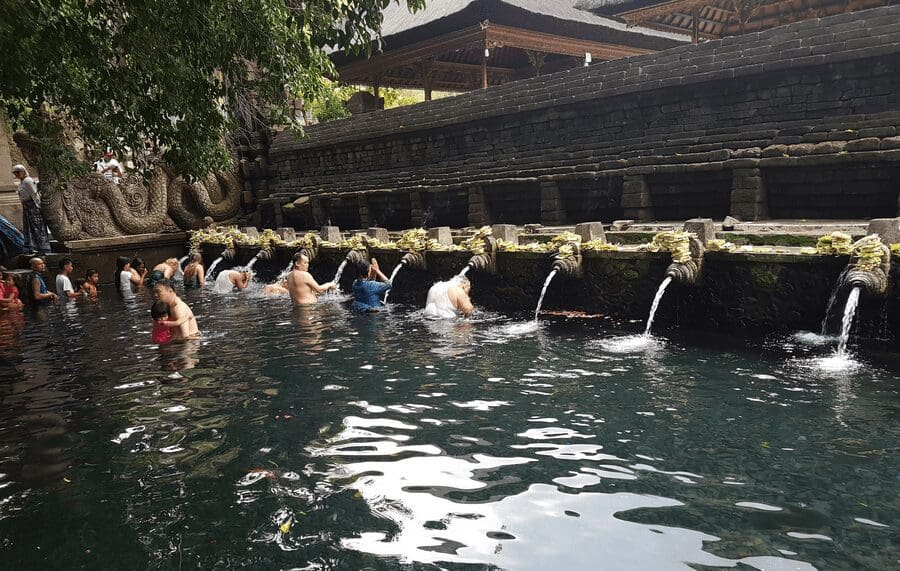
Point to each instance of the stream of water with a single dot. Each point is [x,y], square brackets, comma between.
[394,273]
[540,302]
[847,321]
[656,299]
[212,267]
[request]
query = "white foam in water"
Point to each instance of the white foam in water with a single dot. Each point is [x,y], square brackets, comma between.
[629,343]
[811,338]
[836,364]
[521,328]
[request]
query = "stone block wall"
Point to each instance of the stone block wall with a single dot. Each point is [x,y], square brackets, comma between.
[701,130]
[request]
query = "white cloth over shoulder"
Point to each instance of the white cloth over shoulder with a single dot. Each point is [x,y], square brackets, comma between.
[223,284]
[438,304]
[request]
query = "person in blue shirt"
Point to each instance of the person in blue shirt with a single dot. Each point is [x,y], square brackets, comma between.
[369,287]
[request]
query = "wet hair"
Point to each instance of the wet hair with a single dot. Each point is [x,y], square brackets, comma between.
[121,261]
[159,310]
[362,269]
[137,262]
[165,284]
[90,273]
[64,262]
[78,283]
[463,282]
[298,255]
[197,258]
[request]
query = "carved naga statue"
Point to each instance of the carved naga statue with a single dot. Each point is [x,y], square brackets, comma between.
[93,207]
[870,266]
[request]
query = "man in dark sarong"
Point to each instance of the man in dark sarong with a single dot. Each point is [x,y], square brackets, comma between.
[36,238]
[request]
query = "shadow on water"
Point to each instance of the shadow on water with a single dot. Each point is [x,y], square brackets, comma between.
[312,437]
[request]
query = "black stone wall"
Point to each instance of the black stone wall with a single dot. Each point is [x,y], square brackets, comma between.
[689,131]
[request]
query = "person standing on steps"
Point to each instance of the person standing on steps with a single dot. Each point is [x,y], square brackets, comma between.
[37,241]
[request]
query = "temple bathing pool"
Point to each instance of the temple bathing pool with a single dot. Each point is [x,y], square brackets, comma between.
[316,439]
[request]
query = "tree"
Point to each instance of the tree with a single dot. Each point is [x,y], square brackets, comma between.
[169,78]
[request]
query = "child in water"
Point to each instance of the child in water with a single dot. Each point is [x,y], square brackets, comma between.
[159,311]
[9,293]
[89,287]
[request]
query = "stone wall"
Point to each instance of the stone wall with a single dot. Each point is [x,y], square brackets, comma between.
[703,130]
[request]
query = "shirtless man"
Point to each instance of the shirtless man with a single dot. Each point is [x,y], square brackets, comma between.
[184,325]
[304,289]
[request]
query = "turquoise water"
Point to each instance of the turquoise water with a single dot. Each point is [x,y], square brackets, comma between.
[315,439]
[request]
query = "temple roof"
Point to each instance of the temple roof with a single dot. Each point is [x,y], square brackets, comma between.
[442,46]
[719,18]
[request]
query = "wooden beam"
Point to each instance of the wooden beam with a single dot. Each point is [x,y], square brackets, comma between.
[469,37]
[504,36]
[644,14]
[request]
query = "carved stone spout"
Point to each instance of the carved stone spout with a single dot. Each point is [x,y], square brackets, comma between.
[570,267]
[356,256]
[415,261]
[688,272]
[228,254]
[874,282]
[485,263]
[310,253]
[266,254]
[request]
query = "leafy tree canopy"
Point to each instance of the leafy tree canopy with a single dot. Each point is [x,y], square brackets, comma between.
[170,78]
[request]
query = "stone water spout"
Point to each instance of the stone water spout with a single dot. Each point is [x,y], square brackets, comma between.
[688,272]
[486,262]
[569,266]
[414,261]
[228,254]
[870,277]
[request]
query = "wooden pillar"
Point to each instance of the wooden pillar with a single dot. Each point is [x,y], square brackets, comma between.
[426,67]
[695,26]
[536,59]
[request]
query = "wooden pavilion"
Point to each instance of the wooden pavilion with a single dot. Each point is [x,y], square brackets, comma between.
[713,19]
[459,45]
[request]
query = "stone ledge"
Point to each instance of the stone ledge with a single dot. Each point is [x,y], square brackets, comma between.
[118,242]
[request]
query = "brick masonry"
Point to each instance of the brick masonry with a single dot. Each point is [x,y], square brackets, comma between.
[744,125]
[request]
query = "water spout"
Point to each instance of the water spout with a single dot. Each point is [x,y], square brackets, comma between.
[253,261]
[549,279]
[659,293]
[182,260]
[393,275]
[340,271]
[833,298]
[847,322]
[462,273]
[212,267]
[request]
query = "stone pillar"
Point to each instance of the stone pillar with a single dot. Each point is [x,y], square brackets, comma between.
[477,212]
[888,229]
[279,214]
[552,213]
[416,214]
[380,234]
[441,234]
[10,207]
[318,210]
[287,234]
[363,203]
[702,227]
[591,231]
[636,200]
[505,232]
[748,195]
[330,234]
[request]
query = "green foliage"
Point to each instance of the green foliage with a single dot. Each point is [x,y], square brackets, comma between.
[170,78]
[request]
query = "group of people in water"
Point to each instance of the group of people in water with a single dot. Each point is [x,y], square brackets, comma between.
[173,319]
